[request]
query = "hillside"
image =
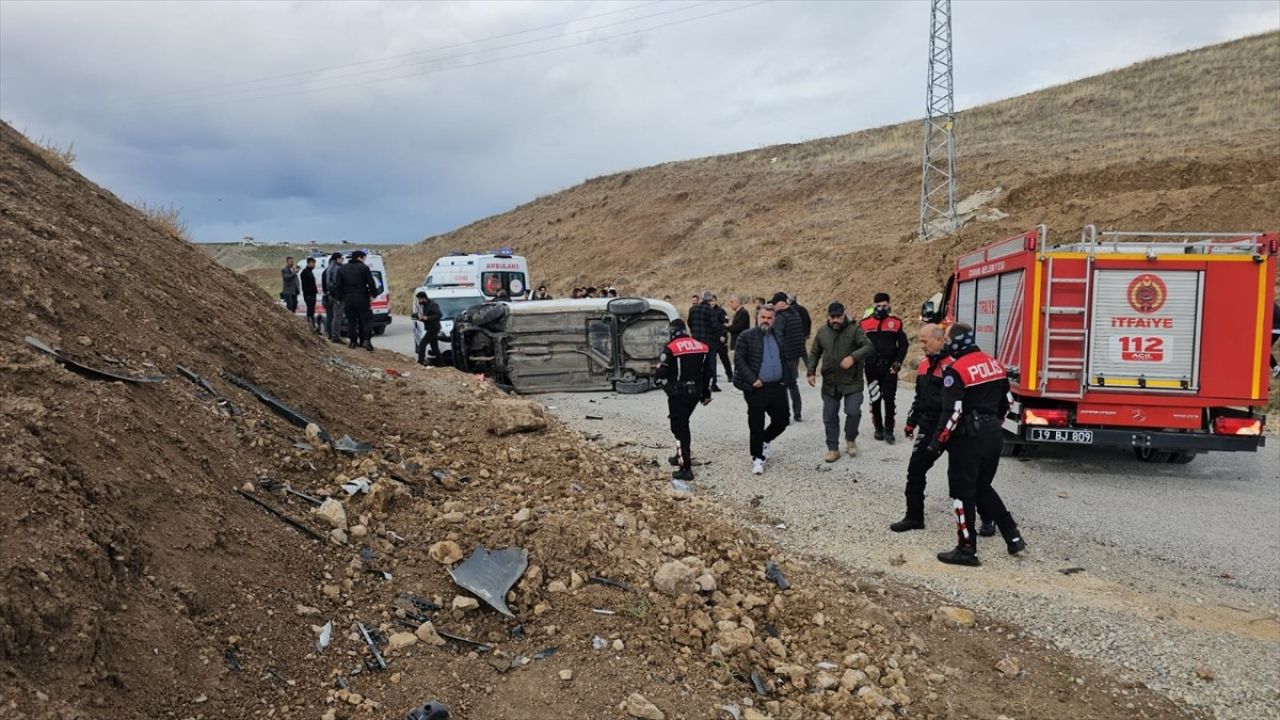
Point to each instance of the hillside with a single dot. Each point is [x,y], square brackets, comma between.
[141,578]
[1186,142]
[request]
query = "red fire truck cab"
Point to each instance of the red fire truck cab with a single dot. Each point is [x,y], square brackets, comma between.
[1154,341]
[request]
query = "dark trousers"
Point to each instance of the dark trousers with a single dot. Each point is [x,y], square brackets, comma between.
[793,386]
[291,302]
[973,458]
[359,322]
[882,388]
[333,317]
[769,400]
[310,302]
[431,337]
[831,417]
[721,351]
[917,468]
[679,409]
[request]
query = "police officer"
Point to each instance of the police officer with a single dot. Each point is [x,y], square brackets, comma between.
[924,413]
[975,390]
[682,366]
[886,333]
[427,312]
[356,286]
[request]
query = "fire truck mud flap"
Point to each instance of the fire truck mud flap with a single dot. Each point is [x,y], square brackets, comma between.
[1148,445]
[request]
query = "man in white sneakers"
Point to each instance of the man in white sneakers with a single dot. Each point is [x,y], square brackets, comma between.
[762,376]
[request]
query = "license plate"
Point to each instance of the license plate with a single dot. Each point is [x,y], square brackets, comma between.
[1079,437]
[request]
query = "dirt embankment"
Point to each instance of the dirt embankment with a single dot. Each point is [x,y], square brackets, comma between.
[137,583]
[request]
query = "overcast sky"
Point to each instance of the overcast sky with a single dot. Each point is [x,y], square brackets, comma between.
[390,121]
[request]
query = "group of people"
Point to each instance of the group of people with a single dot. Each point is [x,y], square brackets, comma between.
[590,291]
[961,397]
[345,290]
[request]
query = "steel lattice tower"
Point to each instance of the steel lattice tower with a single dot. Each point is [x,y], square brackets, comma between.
[938,184]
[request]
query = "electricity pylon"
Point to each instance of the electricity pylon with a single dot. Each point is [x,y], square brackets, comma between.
[938,183]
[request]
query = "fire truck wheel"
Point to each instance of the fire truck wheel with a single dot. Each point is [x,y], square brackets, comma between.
[1182,457]
[1152,455]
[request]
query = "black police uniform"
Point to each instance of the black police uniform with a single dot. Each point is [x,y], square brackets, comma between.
[976,390]
[683,364]
[890,341]
[926,409]
[357,287]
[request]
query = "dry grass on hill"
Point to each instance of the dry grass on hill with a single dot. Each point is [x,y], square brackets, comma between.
[1186,142]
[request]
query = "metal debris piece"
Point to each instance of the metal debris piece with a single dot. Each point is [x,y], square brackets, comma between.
[1071,570]
[301,446]
[233,662]
[373,647]
[479,646]
[603,611]
[414,606]
[287,520]
[347,445]
[285,411]
[276,674]
[490,574]
[432,710]
[733,711]
[517,632]
[594,417]
[545,653]
[326,635]
[599,580]
[773,573]
[89,372]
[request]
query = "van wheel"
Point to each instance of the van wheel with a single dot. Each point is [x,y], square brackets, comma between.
[1152,455]
[487,314]
[635,387]
[1011,449]
[1182,457]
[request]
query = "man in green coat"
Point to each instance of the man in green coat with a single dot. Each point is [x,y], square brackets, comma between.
[838,351]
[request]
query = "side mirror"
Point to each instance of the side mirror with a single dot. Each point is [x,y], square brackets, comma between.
[929,312]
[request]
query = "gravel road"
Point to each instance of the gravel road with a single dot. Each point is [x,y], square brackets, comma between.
[1180,587]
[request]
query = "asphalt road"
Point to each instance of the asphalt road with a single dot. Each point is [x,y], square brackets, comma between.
[398,336]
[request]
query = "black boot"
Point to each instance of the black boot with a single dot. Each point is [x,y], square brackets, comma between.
[879,434]
[988,529]
[1015,545]
[682,474]
[907,523]
[961,555]
[888,437]
[1013,541]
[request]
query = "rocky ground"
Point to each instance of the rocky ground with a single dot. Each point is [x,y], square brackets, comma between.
[1167,575]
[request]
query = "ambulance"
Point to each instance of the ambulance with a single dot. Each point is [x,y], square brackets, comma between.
[381,304]
[1155,341]
[458,281]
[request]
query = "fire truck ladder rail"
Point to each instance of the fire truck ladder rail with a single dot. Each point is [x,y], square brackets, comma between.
[1072,366]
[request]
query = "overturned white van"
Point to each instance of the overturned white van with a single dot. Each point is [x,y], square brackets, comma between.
[564,345]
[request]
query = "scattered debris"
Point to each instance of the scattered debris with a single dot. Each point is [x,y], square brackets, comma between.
[203,384]
[545,653]
[680,486]
[347,445]
[279,408]
[359,485]
[479,646]
[325,636]
[287,520]
[1071,570]
[373,647]
[233,662]
[599,643]
[733,711]
[594,417]
[491,574]
[301,495]
[432,710]
[89,372]
[603,611]
[599,580]
[773,573]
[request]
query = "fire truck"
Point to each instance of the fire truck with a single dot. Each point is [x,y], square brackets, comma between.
[1154,341]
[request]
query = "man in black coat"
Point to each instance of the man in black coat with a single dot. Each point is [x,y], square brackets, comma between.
[357,288]
[706,327]
[308,276]
[763,376]
[741,321]
[427,312]
[789,326]
[333,310]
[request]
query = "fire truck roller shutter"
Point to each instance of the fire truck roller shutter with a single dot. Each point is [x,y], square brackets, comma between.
[1146,324]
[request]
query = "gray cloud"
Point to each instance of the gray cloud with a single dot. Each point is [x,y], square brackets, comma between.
[162,103]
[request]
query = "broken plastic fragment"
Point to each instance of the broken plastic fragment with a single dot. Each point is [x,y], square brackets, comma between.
[732,711]
[490,574]
[545,653]
[347,445]
[359,485]
[680,486]
[326,634]
[432,710]
[599,643]
[773,573]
